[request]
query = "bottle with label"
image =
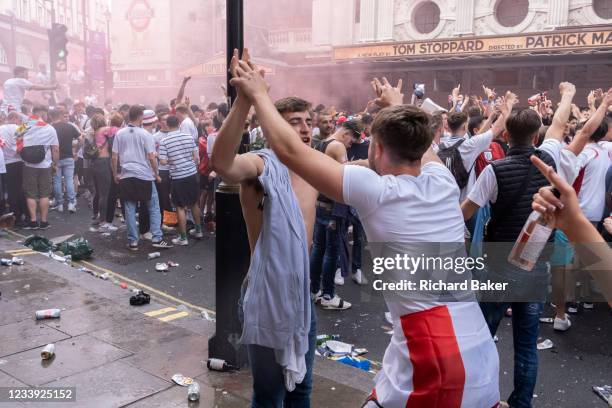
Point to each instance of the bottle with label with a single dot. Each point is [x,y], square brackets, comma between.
[218,364]
[531,240]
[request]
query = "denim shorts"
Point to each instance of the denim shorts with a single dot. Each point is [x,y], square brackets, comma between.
[563,252]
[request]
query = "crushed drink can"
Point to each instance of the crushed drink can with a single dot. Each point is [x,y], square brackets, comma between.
[48,352]
[48,314]
[182,380]
[193,392]
[153,255]
[6,262]
[17,261]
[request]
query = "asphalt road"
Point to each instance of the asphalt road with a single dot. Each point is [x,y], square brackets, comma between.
[581,358]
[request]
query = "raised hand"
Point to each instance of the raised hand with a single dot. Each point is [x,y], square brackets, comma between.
[248,78]
[387,94]
[490,93]
[455,92]
[567,88]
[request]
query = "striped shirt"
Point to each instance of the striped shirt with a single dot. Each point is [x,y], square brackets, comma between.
[178,149]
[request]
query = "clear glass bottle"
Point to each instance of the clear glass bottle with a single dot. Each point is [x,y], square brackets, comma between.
[532,239]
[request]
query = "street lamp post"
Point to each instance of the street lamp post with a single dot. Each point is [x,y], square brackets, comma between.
[107,70]
[232,246]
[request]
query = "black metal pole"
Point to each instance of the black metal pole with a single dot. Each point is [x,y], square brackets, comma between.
[232,251]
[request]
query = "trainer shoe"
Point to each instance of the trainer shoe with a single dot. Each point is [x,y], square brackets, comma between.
[335,303]
[588,306]
[196,234]
[106,227]
[72,207]
[43,225]
[178,241]
[338,279]
[562,324]
[572,307]
[59,208]
[147,236]
[358,277]
[30,225]
[167,228]
[162,244]
[133,246]
[316,297]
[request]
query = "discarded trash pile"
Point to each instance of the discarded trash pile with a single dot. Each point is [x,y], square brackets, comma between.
[333,349]
[77,249]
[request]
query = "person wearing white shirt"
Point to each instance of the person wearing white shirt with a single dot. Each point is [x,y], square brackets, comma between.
[16,87]
[407,195]
[14,168]
[188,126]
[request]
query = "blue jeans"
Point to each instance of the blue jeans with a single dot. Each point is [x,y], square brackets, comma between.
[268,379]
[324,253]
[525,330]
[65,170]
[153,207]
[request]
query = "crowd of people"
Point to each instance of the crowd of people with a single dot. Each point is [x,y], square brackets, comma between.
[316,184]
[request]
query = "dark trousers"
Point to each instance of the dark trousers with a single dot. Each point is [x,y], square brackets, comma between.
[269,382]
[525,330]
[163,192]
[14,186]
[102,175]
[358,238]
[324,253]
[113,195]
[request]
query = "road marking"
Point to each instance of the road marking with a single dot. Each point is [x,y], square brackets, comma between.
[18,254]
[15,233]
[149,288]
[154,313]
[17,251]
[173,316]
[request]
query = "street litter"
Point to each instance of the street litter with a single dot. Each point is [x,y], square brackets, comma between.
[57,257]
[182,308]
[217,364]
[198,268]
[207,316]
[605,392]
[546,320]
[17,261]
[78,249]
[106,234]
[161,267]
[6,262]
[322,338]
[545,345]
[26,286]
[172,264]
[359,362]
[139,299]
[193,392]
[338,347]
[153,255]
[38,243]
[123,285]
[48,314]
[181,380]
[48,352]
[105,276]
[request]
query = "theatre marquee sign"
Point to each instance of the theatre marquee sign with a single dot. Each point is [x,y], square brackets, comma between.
[553,41]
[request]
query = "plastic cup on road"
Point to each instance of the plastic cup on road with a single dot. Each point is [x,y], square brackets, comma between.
[48,352]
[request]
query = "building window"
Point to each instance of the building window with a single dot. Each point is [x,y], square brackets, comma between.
[426,17]
[3,57]
[24,57]
[510,13]
[603,8]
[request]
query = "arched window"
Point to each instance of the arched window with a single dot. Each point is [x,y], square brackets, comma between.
[510,13]
[24,57]
[426,17]
[603,8]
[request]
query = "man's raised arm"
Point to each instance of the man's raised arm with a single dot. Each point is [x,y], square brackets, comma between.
[583,135]
[231,167]
[555,131]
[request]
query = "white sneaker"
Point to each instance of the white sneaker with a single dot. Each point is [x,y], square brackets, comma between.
[72,207]
[196,234]
[147,235]
[106,227]
[335,303]
[358,278]
[388,318]
[317,297]
[339,280]
[180,241]
[167,228]
[588,306]
[562,324]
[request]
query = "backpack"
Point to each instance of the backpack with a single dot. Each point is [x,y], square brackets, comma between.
[33,154]
[451,158]
[90,150]
[494,152]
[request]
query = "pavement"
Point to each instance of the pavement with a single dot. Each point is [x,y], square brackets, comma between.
[580,358]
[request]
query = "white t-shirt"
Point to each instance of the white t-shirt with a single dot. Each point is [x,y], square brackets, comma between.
[188,127]
[407,209]
[210,142]
[14,91]
[470,149]
[157,137]
[44,136]
[134,144]
[9,149]
[595,159]
[485,189]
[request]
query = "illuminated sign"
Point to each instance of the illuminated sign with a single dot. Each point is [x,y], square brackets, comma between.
[552,41]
